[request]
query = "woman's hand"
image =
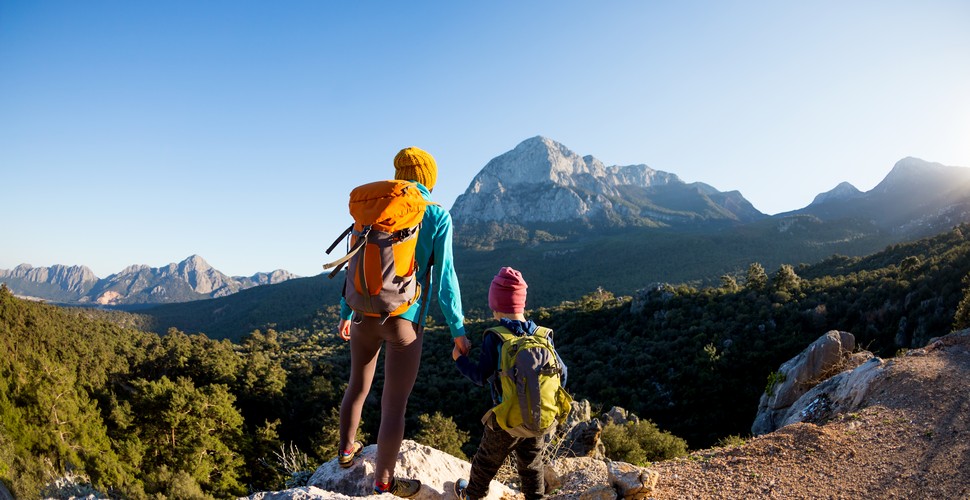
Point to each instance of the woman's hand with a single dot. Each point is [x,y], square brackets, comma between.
[343,329]
[463,345]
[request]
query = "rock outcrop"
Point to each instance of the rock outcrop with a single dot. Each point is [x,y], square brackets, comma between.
[832,353]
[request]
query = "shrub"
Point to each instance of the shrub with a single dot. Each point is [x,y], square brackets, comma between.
[732,440]
[774,378]
[440,432]
[641,442]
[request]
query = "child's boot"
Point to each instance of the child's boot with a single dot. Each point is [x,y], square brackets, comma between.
[461,487]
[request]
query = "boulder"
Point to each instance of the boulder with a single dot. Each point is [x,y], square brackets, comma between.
[599,492]
[4,493]
[302,493]
[828,355]
[580,476]
[632,482]
[619,416]
[842,393]
[583,440]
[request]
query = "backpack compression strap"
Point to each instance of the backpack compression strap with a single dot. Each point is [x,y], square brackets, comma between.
[339,263]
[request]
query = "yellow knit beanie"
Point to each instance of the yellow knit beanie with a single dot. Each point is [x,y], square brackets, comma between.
[415,164]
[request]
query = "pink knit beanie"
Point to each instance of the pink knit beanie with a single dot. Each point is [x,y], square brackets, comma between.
[507,292]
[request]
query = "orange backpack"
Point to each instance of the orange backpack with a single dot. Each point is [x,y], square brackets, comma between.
[381,279]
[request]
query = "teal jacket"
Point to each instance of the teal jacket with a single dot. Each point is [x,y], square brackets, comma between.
[436,236]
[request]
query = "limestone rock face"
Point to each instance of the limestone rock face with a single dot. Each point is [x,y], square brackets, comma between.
[582,432]
[541,181]
[825,357]
[842,393]
[301,493]
[566,477]
[70,280]
[582,477]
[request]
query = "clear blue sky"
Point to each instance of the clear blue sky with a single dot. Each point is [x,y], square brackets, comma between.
[145,132]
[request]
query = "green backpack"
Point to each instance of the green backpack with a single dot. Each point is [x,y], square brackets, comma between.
[530,380]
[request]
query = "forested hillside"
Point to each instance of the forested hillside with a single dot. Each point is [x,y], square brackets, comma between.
[184,416]
[141,415]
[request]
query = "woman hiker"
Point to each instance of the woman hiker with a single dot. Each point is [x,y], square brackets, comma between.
[400,334]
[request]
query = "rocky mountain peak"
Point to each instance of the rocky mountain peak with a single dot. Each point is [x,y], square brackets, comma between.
[543,181]
[194,263]
[538,160]
[541,160]
[277,276]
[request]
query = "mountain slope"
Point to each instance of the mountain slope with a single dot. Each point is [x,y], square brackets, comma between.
[906,440]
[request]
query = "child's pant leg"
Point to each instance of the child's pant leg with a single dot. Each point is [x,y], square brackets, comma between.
[495,446]
[528,461]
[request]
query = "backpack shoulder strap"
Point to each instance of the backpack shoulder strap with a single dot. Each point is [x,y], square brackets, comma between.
[502,332]
[543,332]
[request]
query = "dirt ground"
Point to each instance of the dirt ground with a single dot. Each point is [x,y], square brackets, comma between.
[910,440]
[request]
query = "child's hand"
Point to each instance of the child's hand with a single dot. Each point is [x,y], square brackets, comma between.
[455,353]
[343,329]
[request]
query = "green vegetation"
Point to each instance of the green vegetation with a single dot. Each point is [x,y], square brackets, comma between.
[139,415]
[774,378]
[640,443]
[440,432]
[695,360]
[732,440]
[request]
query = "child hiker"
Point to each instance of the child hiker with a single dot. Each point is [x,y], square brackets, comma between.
[506,298]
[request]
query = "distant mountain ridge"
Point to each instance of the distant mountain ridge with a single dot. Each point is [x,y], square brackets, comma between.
[191,279]
[915,199]
[541,190]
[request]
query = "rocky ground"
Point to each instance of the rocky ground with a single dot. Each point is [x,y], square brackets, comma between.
[910,439]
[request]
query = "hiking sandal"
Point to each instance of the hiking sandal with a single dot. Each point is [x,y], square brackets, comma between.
[404,488]
[347,459]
